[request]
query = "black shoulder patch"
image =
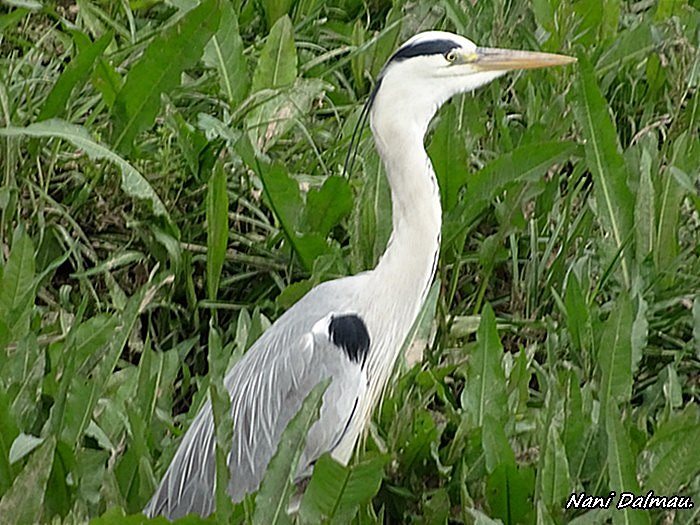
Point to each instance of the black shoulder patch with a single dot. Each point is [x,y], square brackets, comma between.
[349,333]
[427,47]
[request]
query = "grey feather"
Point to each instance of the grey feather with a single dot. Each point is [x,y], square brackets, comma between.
[267,387]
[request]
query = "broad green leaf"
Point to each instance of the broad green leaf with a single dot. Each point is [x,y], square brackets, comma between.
[74,75]
[482,519]
[640,326]
[589,17]
[133,183]
[448,154]
[117,516]
[274,9]
[509,493]
[673,449]
[644,213]
[554,478]
[223,425]
[217,227]
[622,469]
[424,433]
[525,163]
[418,337]
[277,65]
[225,53]
[24,501]
[666,9]
[387,41]
[630,47]
[326,206]
[615,354]
[611,19]
[269,121]
[696,325]
[25,372]
[190,140]
[497,450]
[576,424]
[669,202]
[615,203]
[8,433]
[437,509]
[485,391]
[278,484]
[173,50]
[106,361]
[371,219]
[92,336]
[358,63]
[57,495]
[335,492]
[107,81]
[283,194]
[77,396]
[284,198]
[578,317]
[17,277]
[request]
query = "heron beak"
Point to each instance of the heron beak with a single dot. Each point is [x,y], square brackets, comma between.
[494,59]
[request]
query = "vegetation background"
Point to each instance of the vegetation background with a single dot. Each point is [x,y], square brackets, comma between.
[172,181]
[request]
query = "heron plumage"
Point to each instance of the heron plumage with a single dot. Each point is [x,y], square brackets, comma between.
[269,383]
[295,359]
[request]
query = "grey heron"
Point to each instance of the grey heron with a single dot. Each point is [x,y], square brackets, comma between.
[349,329]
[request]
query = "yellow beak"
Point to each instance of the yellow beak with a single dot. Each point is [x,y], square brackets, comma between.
[494,59]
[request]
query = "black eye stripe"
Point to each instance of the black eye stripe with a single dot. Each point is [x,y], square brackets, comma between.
[428,47]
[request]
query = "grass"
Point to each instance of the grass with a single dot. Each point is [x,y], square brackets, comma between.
[171,182]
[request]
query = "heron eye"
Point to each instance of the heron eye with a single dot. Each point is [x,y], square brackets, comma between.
[451,55]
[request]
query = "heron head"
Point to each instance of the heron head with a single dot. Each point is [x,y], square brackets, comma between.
[433,66]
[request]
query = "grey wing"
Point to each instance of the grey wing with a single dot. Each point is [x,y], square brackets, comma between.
[267,388]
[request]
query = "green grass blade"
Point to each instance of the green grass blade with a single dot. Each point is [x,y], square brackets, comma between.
[217,228]
[133,183]
[159,70]
[615,203]
[276,488]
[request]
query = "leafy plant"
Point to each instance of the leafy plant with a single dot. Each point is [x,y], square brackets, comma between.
[174,169]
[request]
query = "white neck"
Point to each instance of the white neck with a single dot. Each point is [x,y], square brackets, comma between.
[406,269]
[408,263]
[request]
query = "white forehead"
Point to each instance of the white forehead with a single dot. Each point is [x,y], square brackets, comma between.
[426,36]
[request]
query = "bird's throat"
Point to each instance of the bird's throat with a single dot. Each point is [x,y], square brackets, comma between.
[411,254]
